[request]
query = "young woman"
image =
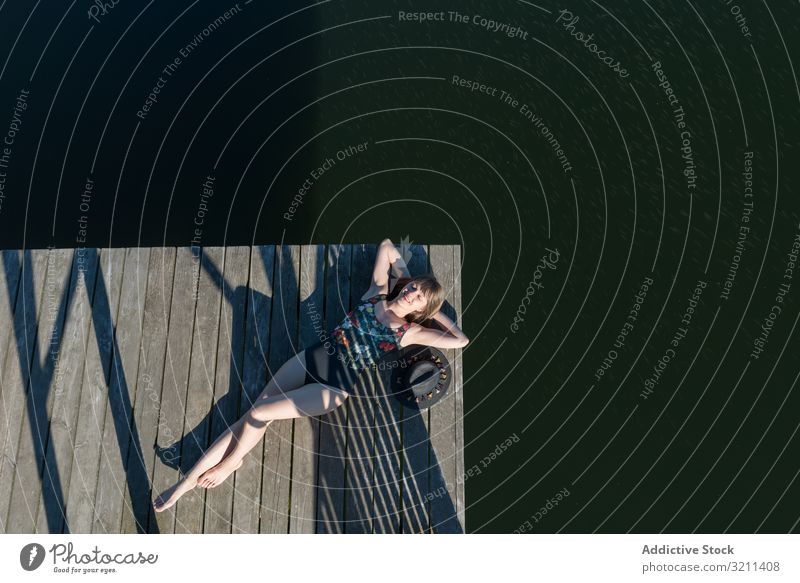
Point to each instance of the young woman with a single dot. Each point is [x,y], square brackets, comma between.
[320,378]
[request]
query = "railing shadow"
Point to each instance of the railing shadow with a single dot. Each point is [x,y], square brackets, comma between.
[121,408]
[38,377]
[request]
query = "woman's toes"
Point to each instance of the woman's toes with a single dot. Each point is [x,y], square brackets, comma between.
[203,480]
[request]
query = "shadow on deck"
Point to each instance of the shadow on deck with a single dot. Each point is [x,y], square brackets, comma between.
[120,366]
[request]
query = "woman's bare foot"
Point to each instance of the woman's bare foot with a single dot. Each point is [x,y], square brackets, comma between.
[216,475]
[171,495]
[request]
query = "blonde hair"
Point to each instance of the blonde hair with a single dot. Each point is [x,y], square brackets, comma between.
[430,288]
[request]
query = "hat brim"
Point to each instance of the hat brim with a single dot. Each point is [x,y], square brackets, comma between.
[407,356]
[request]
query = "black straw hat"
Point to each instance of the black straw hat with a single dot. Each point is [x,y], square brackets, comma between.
[422,377]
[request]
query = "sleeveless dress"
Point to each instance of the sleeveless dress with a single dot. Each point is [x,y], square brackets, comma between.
[357,344]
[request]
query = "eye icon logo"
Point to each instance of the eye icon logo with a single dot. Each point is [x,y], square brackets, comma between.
[31,556]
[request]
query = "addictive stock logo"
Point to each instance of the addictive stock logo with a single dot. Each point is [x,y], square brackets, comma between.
[31,556]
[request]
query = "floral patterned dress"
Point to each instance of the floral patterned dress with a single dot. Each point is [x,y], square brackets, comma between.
[362,339]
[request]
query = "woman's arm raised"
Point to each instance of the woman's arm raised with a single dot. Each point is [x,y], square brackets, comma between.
[429,337]
[449,326]
[386,257]
[399,267]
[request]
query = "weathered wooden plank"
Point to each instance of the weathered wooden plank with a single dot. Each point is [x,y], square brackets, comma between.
[458,395]
[94,393]
[277,466]
[202,377]
[119,428]
[18,362]
[443,475]
[176,374]
[44,382]
[138,505]
[228,381]
[360,416]
[247,479]
[9,284]
[306,429]
[66,395]
[333,426]
[416,441]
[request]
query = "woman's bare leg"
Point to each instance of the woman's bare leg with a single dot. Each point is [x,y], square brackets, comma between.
[290,376]
[307,401]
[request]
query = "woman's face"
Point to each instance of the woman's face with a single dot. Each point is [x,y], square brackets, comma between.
[412,297]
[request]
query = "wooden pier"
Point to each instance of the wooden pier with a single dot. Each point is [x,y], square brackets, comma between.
[118,367]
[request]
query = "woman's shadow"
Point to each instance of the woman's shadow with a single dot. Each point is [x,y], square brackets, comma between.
[186,451]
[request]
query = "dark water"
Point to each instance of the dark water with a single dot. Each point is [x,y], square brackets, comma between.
[648,382]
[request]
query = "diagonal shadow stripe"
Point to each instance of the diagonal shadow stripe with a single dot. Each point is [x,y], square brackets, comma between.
[39,378]
[120,404]
[59,451]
